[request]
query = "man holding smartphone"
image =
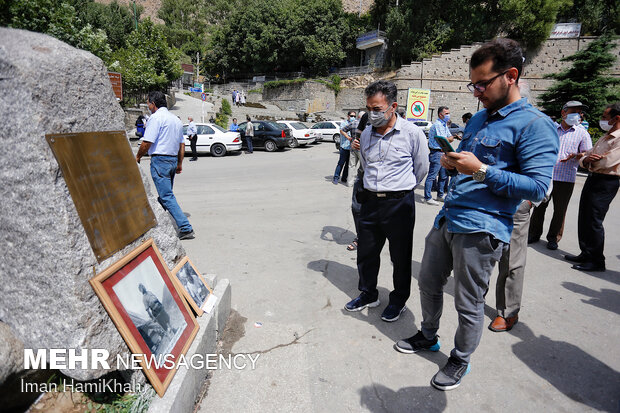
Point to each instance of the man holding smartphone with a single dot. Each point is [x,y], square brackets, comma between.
[506,155]
[439,129]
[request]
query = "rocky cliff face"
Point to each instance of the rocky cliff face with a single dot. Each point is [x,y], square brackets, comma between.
[45,257]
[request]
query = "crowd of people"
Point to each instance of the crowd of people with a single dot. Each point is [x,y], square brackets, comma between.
[512,159]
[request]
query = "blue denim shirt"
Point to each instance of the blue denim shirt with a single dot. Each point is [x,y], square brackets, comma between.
[439,128]
[344,142]
[520,145]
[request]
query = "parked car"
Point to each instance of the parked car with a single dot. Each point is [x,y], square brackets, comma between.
[213,139]
[302,135]
[328,131]
[456,129]
[424,125]
[268,135]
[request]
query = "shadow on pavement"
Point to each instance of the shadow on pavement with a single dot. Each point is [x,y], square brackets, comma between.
[339,235]
[380,399]
[606,299]
[569,369]
[345,279]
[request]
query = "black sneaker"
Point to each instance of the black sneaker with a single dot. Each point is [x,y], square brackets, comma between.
[187,235]
[449,377]
[361,302]
[552,245]
[417,343]
[392,312]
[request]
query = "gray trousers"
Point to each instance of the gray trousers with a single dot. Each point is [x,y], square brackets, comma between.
[471,257]
[509,287]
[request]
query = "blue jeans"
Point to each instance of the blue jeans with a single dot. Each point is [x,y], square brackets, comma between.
[343,165]
[434,168]
[248,141]
[163,169]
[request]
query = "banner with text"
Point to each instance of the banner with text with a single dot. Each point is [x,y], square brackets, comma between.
[418,101]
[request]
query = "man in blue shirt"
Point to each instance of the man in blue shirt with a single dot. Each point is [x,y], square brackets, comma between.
[394,156]
[507,154]
[192,135]
[163,140]
[439,128]
[233,126]
[345,151]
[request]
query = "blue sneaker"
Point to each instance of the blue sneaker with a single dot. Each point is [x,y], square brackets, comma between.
[449,377]
[417,343]
[361,302]
[392,312]
[335,180]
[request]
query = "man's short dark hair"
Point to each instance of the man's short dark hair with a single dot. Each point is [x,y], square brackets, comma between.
[158,99]
[388,89]
[351,112]
[615,109]
[467,116]
[505,53]
[248,118]
[441,109]
[234,119]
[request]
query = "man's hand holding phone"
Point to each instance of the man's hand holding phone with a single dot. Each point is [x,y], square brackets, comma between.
[465,162]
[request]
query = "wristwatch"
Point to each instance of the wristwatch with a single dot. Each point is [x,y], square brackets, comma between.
[481,173]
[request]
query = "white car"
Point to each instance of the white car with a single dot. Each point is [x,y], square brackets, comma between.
[302,135]
[424,125]
[213,139]
[328,131]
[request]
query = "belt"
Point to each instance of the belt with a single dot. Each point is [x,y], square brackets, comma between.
[434,150]
[159,154]
[388,195]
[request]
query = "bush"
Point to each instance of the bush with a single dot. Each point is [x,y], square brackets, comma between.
[277,83]
[226,108]
[221,120]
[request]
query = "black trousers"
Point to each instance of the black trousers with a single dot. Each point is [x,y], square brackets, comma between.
[561,193]
[391,219]
[598,192]
[192,143]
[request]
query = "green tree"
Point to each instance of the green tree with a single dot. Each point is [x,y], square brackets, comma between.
[596,16]
[284,35]
[585,80]
[147,62]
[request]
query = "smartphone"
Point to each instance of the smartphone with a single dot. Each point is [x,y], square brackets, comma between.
[444,143]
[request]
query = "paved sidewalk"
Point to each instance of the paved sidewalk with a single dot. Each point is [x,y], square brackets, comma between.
[277,228]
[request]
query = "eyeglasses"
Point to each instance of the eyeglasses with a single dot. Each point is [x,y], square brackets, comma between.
[482,86]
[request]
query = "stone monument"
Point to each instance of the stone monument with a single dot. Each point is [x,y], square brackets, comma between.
[46,259]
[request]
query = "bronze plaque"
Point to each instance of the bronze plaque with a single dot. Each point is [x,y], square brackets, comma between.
[105,184]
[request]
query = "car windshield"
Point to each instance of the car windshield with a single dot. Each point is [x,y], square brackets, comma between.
[218,127]
[276,126]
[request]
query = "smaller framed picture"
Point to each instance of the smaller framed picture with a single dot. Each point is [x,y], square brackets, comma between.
[194,287]
[145,304]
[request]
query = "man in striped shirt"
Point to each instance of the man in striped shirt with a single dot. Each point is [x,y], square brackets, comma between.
[574,141]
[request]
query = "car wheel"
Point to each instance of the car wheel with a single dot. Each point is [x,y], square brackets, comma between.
[293,143]
[270,146]
[218,150]
[336,139]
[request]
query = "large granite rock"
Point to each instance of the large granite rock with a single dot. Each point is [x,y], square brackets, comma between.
[45,257]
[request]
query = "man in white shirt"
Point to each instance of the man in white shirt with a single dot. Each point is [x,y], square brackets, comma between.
[163,141]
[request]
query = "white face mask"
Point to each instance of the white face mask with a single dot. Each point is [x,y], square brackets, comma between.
[573,119]
[604,124]
[377,118]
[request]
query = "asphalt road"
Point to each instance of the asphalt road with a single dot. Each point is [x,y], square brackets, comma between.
[275,226]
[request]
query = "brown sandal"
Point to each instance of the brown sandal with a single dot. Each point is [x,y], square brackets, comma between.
[352,246]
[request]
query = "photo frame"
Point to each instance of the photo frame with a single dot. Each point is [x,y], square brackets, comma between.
[144,302]
[194,287]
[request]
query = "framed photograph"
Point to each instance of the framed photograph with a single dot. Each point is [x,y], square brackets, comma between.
[141,297]
[191,283]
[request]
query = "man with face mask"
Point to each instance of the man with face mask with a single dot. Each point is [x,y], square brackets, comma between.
[394,156]
[506,155]
[574,141]
[439,128]
[603,163]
